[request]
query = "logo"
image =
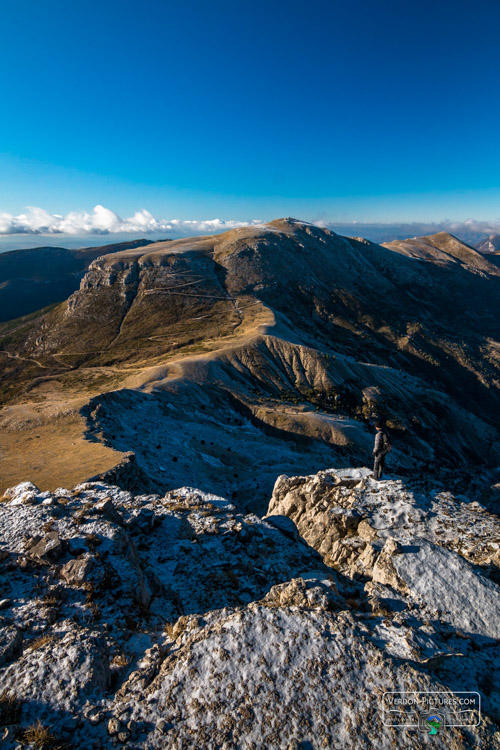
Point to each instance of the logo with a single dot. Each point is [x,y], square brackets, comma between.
[432,723]
[431,711]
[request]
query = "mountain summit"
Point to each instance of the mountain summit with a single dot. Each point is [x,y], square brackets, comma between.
[277,344]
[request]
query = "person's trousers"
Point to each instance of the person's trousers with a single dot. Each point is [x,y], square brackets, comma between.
[378,465]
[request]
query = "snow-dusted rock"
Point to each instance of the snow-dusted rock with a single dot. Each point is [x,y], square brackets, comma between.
[176,621]
[340,512]
[451,586]
[77,570]
[48,548]
[281,677]
[69,666]
[425,545]
[11,640]
[25,493]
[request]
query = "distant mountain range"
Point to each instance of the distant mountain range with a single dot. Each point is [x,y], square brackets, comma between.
[40,276]
[490,244]
[223,361]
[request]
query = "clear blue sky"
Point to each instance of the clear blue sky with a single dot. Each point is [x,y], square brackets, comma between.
[361,109]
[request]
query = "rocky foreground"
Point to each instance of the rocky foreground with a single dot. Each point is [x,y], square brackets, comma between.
[175,621]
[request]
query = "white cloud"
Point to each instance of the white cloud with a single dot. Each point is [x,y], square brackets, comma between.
[104,221]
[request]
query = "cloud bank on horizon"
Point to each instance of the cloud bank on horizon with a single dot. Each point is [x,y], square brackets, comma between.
[104,221]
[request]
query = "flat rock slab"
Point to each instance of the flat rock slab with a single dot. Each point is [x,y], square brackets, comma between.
[448,583]
[49,547]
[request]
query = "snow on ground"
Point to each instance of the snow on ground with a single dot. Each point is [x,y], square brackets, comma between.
[173,620]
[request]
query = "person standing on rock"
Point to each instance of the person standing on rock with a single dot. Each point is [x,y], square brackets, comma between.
[380,450]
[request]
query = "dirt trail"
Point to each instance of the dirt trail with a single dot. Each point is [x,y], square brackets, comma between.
[24,359]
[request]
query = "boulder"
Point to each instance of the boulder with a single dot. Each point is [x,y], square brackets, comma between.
[22,494]
[366,532]
[383,570]
[49,548]
[300,593]
[319,506]
[106,508]
[77,570]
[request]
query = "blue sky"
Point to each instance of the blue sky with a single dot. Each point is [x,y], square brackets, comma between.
[367,110]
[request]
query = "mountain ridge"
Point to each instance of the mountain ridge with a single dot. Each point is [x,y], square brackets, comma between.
[34,278]
[305,334]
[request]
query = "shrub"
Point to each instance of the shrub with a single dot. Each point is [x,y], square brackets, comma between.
[39,736]
[119,661]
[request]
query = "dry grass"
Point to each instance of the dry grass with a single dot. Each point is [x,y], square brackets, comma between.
[168,629]
[93,540]
[10,708]
[174,629]
[39,736]
[179,506]
[79,517]
[41,642]
[47,460]
[119,661]
[51,600]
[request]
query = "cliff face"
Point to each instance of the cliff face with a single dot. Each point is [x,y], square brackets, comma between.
[174,620]
[307,335]
[42,276]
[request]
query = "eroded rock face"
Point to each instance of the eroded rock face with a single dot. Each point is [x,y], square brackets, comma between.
[176,621]
[341,513]
[426,546]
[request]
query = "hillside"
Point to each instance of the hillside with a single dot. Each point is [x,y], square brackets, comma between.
[444,248]
[281,343]
[41,276]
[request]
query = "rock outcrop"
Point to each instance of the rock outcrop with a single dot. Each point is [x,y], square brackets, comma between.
[176,621]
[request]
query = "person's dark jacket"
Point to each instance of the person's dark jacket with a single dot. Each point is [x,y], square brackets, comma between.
[381,439]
